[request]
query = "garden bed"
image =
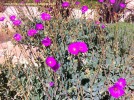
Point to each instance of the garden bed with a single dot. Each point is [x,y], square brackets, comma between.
[55,57]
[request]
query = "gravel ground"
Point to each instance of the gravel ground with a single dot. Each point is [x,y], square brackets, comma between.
[7,49]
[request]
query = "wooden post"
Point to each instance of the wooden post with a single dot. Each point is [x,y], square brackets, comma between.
[2,8]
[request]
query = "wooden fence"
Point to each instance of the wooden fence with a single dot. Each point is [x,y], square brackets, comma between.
[29,4]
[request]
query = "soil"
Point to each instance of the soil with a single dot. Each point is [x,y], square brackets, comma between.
[5,37]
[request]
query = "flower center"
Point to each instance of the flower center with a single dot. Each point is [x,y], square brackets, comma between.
[80,48]
[115,89]
[74,49]
[50,62]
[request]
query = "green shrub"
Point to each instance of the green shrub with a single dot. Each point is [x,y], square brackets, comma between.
[86,76]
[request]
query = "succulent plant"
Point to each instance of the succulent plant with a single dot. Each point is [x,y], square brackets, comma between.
[81,61]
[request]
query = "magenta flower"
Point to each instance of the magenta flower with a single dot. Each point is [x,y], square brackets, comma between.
[122,5]
[84,9]
[39,26]
[45,16]
[17,37]
[121,82]
[112,1]
[31,32]
[82,47]
[2,18]
[51,84]
[100,1]
[46,41]
[51,61]
[65,4]
[73,48]
[17,22]
[12,17]
[56,67]
[116,91]
[97,22]
[103,26]
[77,3]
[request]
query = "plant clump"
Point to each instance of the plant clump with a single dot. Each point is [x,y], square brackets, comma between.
[78,59]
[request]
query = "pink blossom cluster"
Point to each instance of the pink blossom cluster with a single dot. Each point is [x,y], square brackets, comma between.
[65,4]
[17,37]
[2,18]
[52,63]
[51,84]
[15,21]
[84,9]
[76,47]
[117,90]
[33,31]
